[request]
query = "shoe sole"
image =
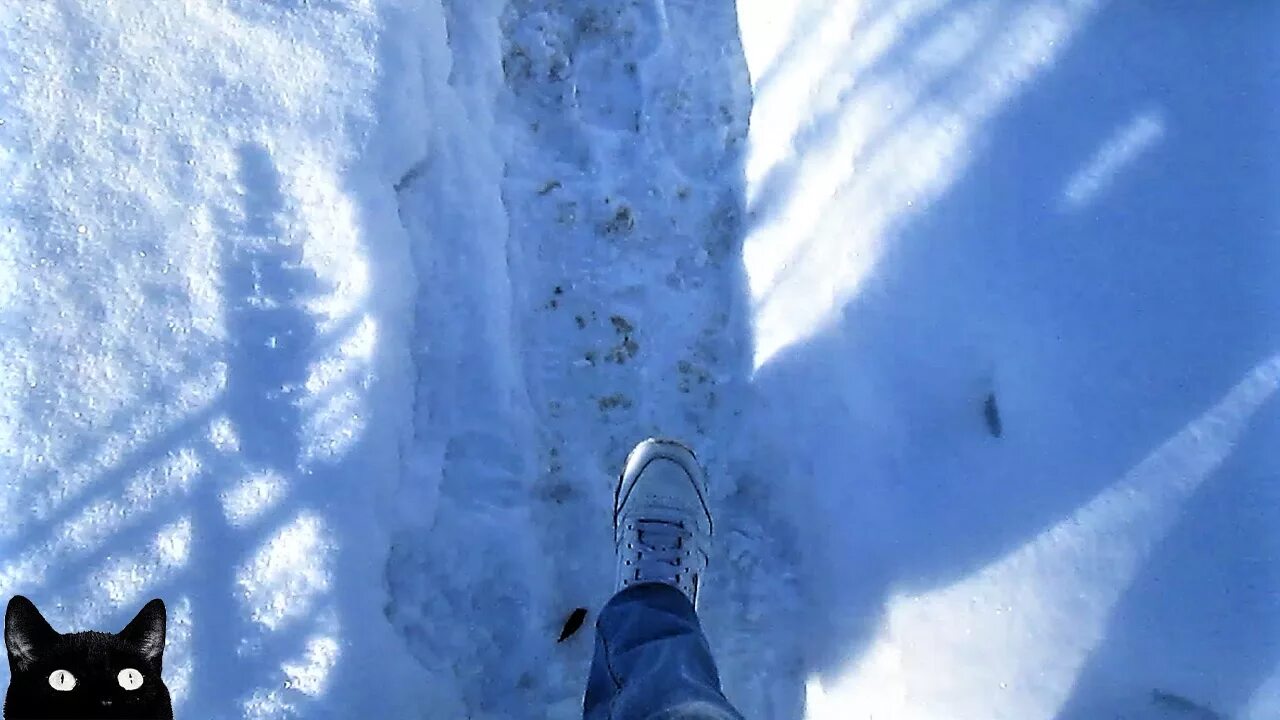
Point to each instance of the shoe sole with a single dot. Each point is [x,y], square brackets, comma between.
[660,449]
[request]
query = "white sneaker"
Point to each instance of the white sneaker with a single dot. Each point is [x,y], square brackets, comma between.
[661,524]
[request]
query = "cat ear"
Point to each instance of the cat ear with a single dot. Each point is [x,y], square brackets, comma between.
[25,632]
[146,631]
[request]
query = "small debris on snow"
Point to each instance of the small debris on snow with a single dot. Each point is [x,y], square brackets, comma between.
[621,325]
[1186,708]
[573,623]
[616,400]
[992,413]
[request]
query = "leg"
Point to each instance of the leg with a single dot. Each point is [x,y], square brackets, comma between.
[652,661]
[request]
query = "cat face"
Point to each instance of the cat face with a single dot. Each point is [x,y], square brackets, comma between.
[85,675]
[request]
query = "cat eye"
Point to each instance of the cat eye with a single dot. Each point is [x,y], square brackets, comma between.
[129,679]
[62,680]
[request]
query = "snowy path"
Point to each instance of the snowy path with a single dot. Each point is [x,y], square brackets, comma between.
[330,322]
[587,306]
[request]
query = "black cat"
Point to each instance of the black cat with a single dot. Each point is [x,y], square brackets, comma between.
[85,675]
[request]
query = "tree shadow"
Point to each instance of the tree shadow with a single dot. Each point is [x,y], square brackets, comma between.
[270,342]
[1198,629]
[271,335]
[1099,331]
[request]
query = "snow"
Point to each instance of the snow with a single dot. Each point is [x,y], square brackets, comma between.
[1067,206]
[330,322]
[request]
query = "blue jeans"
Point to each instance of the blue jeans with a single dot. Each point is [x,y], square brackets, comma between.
[652,661]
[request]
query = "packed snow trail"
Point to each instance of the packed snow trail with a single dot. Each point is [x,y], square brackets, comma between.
[583,277]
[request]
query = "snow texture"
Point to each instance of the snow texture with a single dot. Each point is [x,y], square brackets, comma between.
[330,322]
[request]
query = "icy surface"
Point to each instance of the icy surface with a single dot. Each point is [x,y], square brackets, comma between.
[331,321]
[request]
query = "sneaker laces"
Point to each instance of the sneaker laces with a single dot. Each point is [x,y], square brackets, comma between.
[656,550]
